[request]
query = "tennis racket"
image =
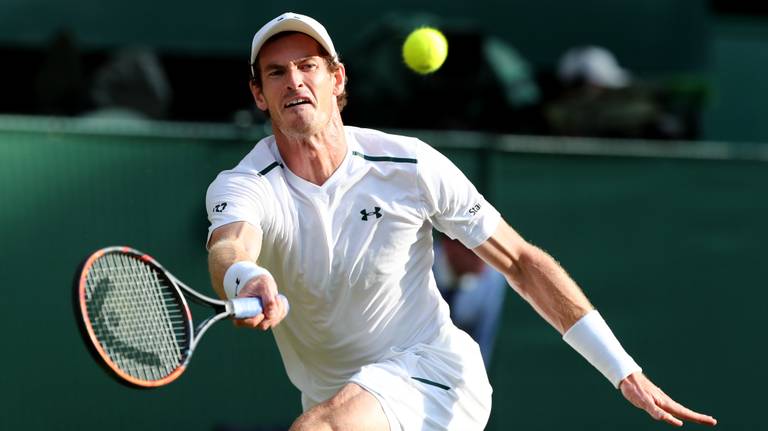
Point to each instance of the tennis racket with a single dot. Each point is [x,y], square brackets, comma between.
[135,319]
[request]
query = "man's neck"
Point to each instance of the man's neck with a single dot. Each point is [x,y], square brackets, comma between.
[314,157]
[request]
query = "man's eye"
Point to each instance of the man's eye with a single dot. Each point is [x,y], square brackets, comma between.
[274,73]
[307,67]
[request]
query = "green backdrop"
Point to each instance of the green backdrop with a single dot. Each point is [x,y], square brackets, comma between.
[670,249]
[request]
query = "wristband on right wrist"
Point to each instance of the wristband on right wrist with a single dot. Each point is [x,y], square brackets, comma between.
[593,339]
[239,274]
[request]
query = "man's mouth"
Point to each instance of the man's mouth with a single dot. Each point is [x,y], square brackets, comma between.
[296,102]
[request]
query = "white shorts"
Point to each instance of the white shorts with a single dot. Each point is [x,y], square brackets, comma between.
[438,386]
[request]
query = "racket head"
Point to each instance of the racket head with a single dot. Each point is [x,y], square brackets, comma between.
[132,316]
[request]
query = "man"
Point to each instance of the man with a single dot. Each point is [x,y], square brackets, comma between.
[342,218]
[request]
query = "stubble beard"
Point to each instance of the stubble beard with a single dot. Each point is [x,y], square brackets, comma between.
[304,126]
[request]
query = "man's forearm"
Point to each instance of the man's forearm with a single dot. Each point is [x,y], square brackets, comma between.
[229,244]
[549,289]
[220,257]
[536,276]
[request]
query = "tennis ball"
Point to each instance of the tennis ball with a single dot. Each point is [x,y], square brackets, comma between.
[425,50]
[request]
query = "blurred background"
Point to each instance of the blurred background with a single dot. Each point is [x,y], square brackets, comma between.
[628,139]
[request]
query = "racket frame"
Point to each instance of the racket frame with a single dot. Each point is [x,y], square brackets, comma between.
[224,309]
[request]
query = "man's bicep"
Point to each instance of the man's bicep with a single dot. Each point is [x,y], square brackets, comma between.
[503,249]
[230,199]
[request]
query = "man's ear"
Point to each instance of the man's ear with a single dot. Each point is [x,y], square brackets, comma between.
[340,80]
[258,95]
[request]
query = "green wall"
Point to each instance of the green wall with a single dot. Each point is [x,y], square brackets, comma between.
[655,39]
[69,194]
[738,65]
[671,250]
[656,35]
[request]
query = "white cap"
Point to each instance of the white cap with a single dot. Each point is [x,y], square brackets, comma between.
[290,21]
[593,64]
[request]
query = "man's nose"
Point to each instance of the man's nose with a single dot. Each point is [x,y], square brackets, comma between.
[294,79]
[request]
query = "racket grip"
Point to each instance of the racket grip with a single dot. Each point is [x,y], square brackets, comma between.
[244,308]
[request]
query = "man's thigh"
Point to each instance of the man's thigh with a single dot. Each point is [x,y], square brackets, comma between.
[352,408]
[437,387]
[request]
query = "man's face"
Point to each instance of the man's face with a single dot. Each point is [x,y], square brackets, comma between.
[297,88]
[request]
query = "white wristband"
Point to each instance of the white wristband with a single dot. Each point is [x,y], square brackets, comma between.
[239,274]
[593,339]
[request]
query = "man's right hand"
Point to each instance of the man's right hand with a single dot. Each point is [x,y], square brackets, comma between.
[275,310]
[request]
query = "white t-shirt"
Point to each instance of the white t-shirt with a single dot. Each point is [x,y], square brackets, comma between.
[353,256]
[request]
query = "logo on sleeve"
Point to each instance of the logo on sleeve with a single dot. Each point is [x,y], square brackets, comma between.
[376,211]
[220,207]
[475,209]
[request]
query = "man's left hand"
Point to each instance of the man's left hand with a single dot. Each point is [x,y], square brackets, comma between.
[642,393]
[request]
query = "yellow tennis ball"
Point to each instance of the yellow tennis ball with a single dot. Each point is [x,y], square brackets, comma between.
[425,50]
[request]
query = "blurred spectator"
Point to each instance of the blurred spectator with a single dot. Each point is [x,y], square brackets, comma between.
[131,85]
[473,290]
[597,97]
[592,66]
[60,85]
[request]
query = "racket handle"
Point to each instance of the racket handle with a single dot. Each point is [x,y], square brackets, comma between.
[244,308]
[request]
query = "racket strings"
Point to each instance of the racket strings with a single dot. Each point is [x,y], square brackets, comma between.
[137,317]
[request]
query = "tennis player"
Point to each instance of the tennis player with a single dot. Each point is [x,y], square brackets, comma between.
[340,221]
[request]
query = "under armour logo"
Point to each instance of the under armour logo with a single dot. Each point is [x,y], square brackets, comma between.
[376,211]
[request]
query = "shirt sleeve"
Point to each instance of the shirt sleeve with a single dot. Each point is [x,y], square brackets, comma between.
[453,204]
[235,197]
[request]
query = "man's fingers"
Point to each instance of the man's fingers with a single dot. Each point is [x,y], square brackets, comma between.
[279,311]
[264,288]
[679,410]
[282,306]
[270,304]
[250,322]
[656,411]
[666,417]
[642,393]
